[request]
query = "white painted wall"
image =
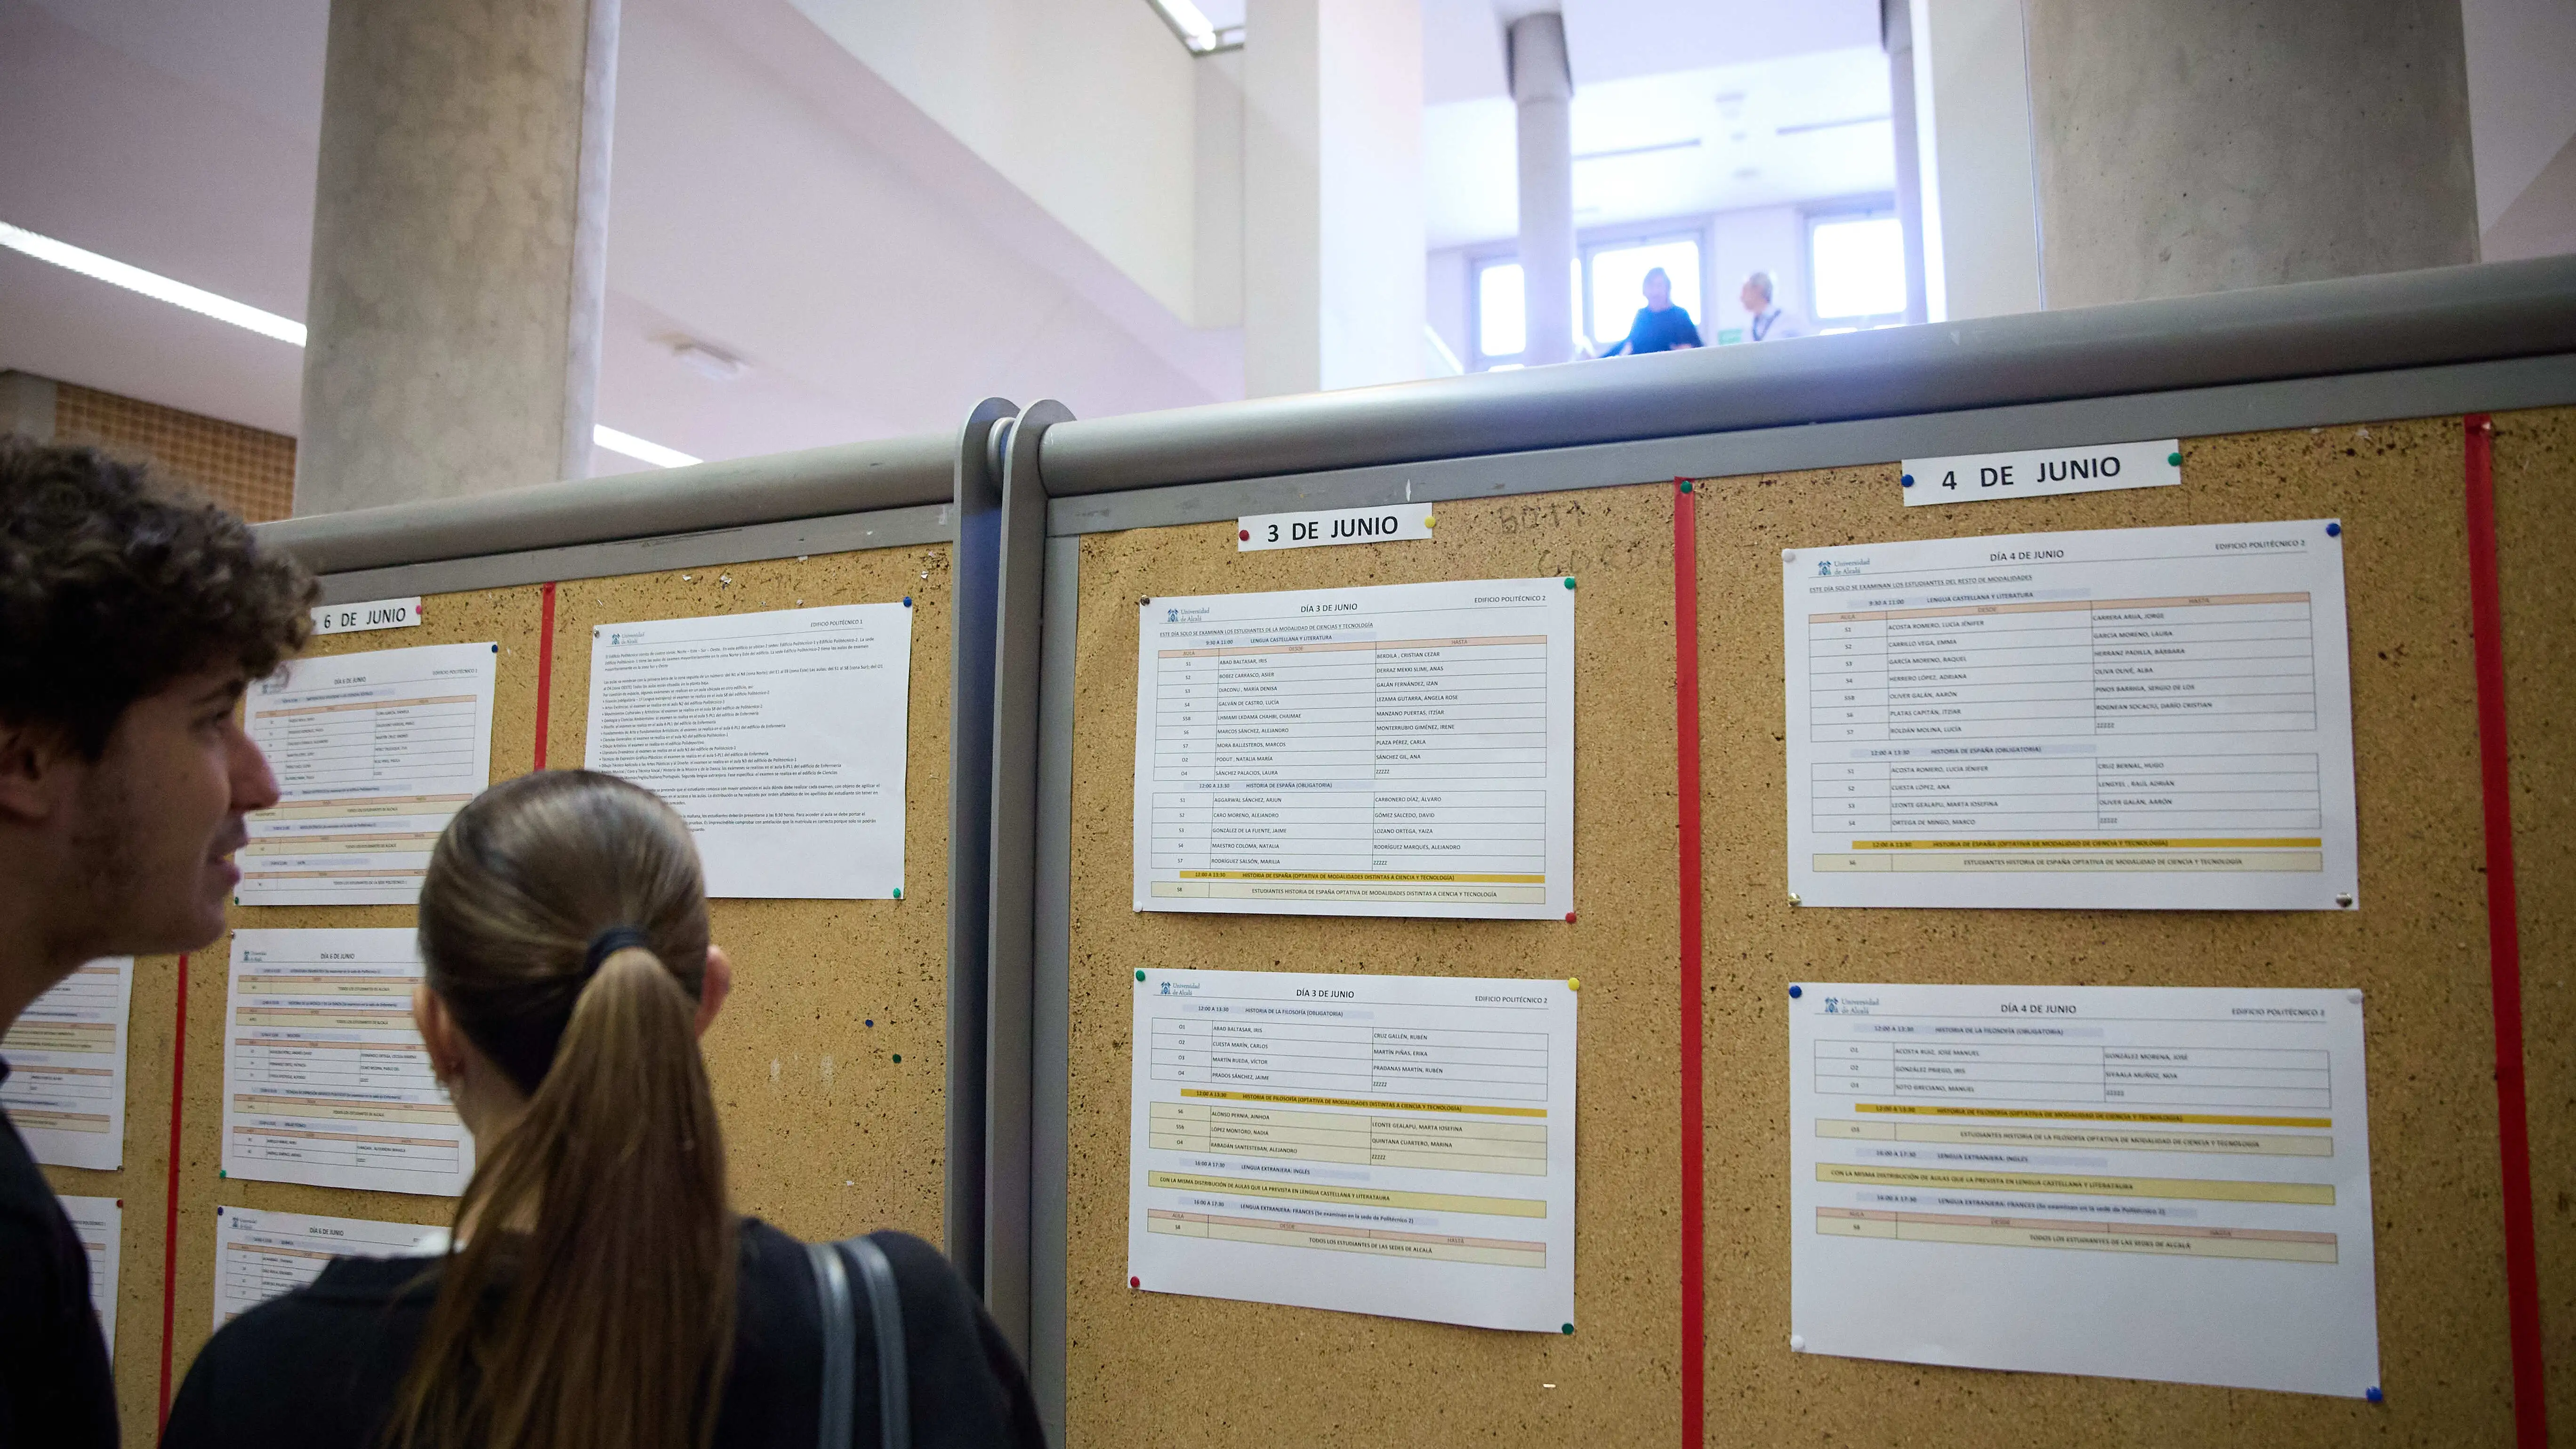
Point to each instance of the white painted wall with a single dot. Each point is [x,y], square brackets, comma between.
[1980,189]
[1087,105]
[1332,186]
[1219,199]
[1765,239]
[2522,124]
[1446,303]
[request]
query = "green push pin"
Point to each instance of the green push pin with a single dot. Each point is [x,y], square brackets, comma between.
[898,893]
[898,1057]
[1569,583]
[2174,458]
[1569,1330]
[1140,975]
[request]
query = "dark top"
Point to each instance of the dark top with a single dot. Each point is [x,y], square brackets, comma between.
[1655,331]
[319,1366]
[54,1383]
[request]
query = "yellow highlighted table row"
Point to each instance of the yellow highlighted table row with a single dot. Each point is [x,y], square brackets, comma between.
[2268,1144]
[2319,1194]
[1433,1246]
[1501,1207]
[2286,1247]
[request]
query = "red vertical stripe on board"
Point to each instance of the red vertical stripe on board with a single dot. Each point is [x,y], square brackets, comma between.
[170,1211]
[545,674]
[2504,945]
[1686,744]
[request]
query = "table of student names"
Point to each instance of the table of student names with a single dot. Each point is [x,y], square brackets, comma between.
[2147,717]
[1400,750]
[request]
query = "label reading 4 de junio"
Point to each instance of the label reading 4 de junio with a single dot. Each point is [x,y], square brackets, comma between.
[1340,525]
[1973,477]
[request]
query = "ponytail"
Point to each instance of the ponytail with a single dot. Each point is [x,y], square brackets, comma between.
[592,1305]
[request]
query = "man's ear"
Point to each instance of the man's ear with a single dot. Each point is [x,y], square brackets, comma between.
[34,767]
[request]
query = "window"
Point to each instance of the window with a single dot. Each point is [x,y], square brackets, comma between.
[1502,313]
[1856,269]
[1609,286]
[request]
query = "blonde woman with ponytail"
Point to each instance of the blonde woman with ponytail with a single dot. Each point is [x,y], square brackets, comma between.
[597,1291]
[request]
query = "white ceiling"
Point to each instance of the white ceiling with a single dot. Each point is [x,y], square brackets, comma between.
[770,197]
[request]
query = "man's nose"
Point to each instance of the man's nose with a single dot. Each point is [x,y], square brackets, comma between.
[254,784]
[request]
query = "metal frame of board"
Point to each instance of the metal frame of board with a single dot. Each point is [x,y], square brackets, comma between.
[2315,354]
[887,494]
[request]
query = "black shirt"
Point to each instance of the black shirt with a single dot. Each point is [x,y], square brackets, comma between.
[54,1383]
[1655,331]
[319,1366]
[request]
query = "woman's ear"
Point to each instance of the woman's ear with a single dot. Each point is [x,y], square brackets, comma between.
[438,1033]
[713,987]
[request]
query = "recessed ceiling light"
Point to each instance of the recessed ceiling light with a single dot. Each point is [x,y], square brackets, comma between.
[709,362]
[242,314]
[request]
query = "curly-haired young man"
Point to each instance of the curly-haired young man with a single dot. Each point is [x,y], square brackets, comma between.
[131,620]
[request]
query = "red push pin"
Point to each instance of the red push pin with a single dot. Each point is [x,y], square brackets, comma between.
[1135,1282]
[1569,918]
[1244,534]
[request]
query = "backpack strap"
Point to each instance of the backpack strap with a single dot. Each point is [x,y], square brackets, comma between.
[885,1305]
[840,1345]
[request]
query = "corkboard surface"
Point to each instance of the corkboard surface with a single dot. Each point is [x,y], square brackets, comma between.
[2417,945]
[827,1135]
[2535,480]
[1154,1369]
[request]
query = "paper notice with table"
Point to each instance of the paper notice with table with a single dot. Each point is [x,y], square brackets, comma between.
[325,1078]
[2156,718]
[779,736]
[373,753]
[66,1054]
[1403,750]
[2139,1182]
[99,1222]
[259,1255]
[1398,1145]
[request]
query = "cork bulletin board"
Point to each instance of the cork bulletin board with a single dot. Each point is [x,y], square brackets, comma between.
[1148,1368]
[2417,944]
[2535,483]
[828,1062]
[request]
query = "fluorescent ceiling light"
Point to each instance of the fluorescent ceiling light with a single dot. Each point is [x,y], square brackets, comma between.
[1681,145]
[635,447]
[1191,24]
[1805,126]
[242,314]
[151,284]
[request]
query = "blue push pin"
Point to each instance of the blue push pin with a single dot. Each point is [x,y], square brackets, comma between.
[907,601]
[2374,1395]
[2334,530]
[1796,991]
[1907,480]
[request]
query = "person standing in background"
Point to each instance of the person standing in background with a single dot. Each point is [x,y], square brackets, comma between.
[1770,321]
[130,623]
[1660,326]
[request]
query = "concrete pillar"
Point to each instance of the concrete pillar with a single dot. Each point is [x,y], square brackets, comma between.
[1972,114]
[2202,145]
[459,248]
[1896,33]
[1543,89]
[1332,194]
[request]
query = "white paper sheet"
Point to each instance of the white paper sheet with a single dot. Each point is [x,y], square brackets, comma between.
[2147,718]
[373,753]
[1398,1145]
[66,1054]
[2137,1182]
[100,1222]
[1404,750]
[325,1078]
[259,1255]
[780,736]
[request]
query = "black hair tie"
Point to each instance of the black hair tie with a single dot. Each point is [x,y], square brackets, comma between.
[611,941]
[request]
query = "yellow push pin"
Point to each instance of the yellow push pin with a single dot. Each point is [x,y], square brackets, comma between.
[1574,983]
[1429,521]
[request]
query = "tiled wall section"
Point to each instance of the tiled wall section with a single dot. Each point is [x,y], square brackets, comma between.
[246,470]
